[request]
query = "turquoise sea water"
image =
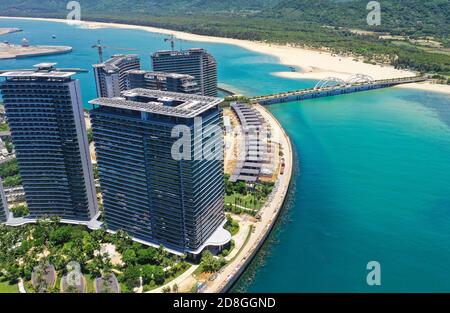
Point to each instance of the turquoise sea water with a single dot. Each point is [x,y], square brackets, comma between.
[374,178]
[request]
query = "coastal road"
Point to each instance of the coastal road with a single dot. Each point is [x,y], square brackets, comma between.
[269,212]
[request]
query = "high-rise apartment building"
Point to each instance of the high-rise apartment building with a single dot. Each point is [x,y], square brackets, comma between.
[147,191]
[194,62]
[162,81]
[110,76]
[46,118]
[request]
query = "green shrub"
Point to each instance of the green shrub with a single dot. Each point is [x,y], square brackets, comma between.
[20,211]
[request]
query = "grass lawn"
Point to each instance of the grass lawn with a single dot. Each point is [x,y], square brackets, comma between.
[124,288]
[5,287]
[90,283]
[249,201]
[149,287]
[250,229]
[169,279]
[199,270]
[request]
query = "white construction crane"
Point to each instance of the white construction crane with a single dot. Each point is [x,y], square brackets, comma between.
[101,47]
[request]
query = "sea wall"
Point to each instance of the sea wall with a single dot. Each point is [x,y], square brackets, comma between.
[275,202]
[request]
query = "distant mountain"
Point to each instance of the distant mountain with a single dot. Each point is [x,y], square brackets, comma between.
[150,7]
[427,17]
[413,17]
[316,24]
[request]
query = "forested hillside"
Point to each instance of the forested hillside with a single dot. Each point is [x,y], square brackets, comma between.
[412,17]
[430,17]
[149,7]
[415,32]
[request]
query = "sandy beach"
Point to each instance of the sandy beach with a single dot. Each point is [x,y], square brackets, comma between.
[9,51]
[4,31]
[310,63]
[322,74]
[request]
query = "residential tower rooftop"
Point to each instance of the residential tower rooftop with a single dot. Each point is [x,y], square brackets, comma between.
[112,64]
[42,70]
[161,102]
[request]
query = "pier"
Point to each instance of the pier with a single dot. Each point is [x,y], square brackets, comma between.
[334,86]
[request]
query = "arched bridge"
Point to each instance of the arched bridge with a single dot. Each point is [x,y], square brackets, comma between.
[335,81]
[329,81]
[332,86]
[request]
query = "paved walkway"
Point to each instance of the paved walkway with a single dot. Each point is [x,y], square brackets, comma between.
[240,237]
[269,212]
[177,280]
[21,286]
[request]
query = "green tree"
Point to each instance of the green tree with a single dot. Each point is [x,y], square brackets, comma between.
[231,225]
[158,275]
[12,181]
[129,257]
[147,256]
[148,272]
[100,235]
[90,135]
[9,168]
[211,264]
[98,265]
[131,277]
[122,240]
[20,210]
[61,235]
[95,171]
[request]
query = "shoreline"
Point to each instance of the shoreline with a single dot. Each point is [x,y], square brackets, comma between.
[424,86]
[313,64]
[270,212]
[8,52]
[274,208]
[5,31]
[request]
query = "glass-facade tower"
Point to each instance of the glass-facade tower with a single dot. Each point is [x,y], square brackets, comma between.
[46,118]
[146,191]
[195,62]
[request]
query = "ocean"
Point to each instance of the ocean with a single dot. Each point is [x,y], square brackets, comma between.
[372,172]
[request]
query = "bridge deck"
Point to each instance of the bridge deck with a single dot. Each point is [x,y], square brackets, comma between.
[333,90]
